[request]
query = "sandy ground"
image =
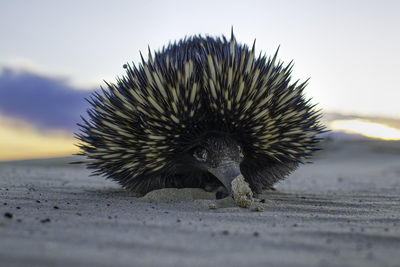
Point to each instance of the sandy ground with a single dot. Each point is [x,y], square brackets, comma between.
[343,210]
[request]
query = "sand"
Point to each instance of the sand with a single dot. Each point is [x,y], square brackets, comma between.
[343,210]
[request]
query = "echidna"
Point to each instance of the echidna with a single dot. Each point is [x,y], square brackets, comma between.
[198,114]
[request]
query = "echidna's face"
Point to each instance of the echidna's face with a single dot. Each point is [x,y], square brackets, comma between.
[221,157]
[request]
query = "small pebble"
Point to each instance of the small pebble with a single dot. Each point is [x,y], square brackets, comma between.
[257,208]
[225,232]
[56,207]
[8,215]
[212,206]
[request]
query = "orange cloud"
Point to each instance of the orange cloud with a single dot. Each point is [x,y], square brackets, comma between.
[20,140]
[366,128]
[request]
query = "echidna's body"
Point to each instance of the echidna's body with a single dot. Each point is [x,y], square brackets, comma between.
[197,114]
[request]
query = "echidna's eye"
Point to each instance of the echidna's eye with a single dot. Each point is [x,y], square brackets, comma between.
[241,155]
[200,154]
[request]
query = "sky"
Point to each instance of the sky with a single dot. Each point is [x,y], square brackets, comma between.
[53,53]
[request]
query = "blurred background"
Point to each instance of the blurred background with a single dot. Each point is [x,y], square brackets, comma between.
[53,54]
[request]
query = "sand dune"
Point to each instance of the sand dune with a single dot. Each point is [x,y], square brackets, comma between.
[342,210]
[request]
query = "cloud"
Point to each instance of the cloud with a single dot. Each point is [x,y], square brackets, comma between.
[47,103]
[20,140]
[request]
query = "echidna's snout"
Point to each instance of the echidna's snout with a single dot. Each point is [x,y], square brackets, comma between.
[226,172]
